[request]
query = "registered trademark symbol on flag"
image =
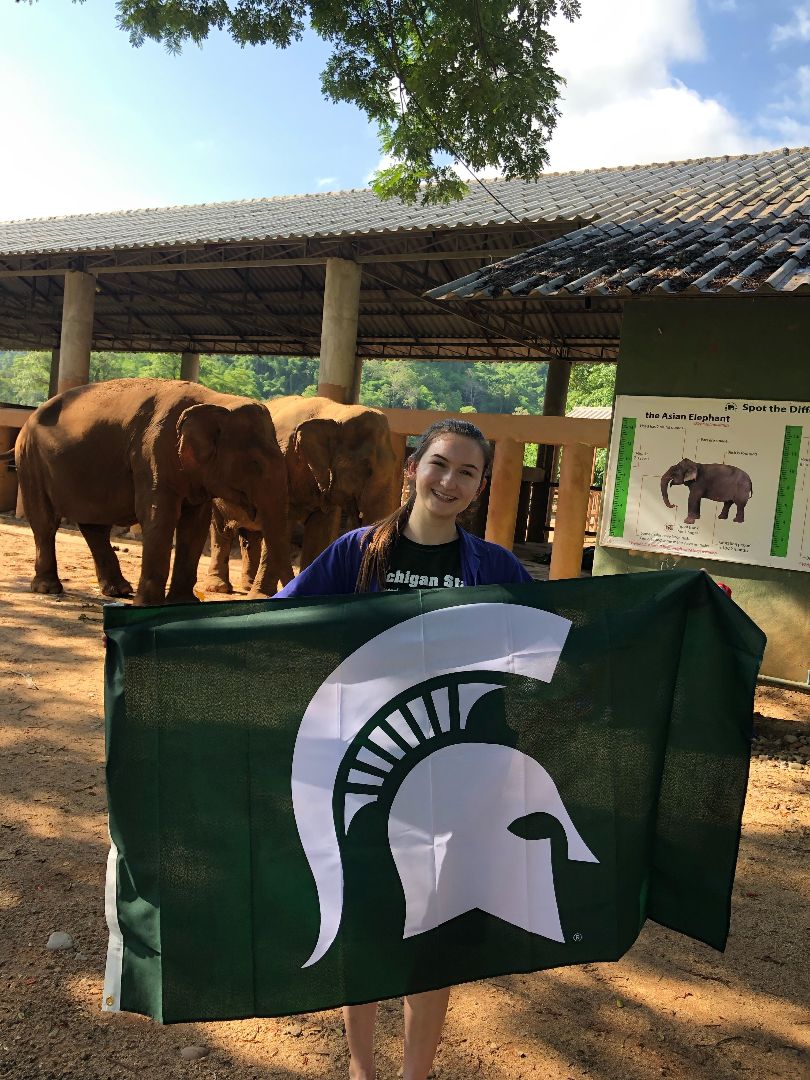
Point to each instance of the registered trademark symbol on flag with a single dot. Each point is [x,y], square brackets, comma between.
[577,936]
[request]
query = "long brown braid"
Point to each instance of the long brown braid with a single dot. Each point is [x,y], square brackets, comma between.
[380,538]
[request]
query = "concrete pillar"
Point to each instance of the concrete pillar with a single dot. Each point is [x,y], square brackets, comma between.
[190,366]
[572,511]
[77,330]
[399,444]
[338,377]
[504,492]
[53,380]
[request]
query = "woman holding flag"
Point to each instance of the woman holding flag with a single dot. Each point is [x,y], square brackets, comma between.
[418,546]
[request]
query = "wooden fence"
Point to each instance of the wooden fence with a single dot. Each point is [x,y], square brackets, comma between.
[578,438]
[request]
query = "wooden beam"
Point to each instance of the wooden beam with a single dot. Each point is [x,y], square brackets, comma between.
[554,430]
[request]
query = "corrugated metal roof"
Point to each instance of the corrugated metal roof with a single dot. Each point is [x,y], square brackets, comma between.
[703,190]
[324,214]
[726,226]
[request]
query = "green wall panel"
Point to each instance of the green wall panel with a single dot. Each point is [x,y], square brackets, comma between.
[736,348]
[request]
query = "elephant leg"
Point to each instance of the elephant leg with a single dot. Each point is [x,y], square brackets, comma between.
[250,546]
[320,529]
[740,515]
[726,507]
[44,522]
[158,520]
[267,577]
[108,570]
[693,509]
[192,529]
[218,578]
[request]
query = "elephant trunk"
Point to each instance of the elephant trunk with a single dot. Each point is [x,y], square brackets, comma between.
[376,503]
[666,480]
[381,494]
[274,565]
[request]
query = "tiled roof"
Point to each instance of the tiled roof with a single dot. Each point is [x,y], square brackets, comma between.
[723,226]
[325,214]
[709,190]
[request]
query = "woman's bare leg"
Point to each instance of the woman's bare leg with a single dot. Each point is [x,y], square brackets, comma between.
[424,1020]
[359,1021]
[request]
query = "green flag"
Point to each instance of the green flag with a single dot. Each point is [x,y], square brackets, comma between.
[335,800]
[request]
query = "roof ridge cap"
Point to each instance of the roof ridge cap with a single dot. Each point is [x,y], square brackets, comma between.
[656,164]
[132,212]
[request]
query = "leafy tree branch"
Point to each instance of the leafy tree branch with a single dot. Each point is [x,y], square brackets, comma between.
[447,82]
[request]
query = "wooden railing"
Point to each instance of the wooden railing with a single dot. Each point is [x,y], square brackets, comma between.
[537,509]
[579,439]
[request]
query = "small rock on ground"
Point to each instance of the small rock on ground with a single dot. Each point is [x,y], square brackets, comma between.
[59,940]
[194,1053]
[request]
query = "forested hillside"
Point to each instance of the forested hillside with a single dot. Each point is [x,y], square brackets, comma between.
[409,384]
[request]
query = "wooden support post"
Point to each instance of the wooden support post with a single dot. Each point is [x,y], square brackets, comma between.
[77,330]
[338,377]
[53,380]
[556,395]
[190,366]
[572,511]
[8,478]
[507,472]
[399,444]
[522,511]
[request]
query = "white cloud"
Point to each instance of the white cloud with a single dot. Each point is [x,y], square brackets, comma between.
[326,181]
[385,162]
[621,105]
[797,29]
[788,118]
[722,5]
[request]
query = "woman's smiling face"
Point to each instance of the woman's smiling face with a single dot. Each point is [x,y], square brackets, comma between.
[449,475]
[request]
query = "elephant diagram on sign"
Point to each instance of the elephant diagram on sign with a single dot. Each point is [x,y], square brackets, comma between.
[720,483]
[456,845]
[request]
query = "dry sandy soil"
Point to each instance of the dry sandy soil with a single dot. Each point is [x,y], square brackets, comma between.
[670,1008]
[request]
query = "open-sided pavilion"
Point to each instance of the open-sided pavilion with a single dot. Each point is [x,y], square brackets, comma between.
[537,271]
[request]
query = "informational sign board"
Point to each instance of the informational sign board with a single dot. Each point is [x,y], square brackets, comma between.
[710,478]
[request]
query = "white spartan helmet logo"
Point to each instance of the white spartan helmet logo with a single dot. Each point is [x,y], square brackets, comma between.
[449,823]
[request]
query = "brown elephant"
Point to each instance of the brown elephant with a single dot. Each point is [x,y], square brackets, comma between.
[720,483]
[340,463]
[156,452]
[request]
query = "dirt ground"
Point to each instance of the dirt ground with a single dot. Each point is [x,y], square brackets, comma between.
[671,1008]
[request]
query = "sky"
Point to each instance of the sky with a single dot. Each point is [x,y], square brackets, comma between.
[90,124]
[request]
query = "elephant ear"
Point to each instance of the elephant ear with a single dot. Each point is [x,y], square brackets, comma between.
[315,442]
[198,430]
[689,471]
